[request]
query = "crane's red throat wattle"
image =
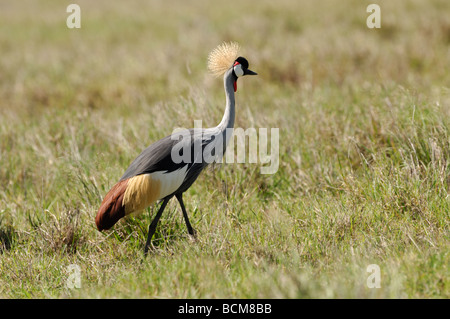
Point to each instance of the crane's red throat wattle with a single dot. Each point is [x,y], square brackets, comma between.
[235,86]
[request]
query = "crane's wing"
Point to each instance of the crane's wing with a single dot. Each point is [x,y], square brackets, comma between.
[154,174]
[158,156]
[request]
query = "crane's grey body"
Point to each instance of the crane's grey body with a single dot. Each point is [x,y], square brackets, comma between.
[158,156]
[159,174]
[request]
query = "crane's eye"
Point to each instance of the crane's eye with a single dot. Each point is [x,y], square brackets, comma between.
[238,69]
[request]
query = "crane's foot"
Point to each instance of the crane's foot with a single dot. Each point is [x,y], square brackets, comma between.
[193,233]
[147,248]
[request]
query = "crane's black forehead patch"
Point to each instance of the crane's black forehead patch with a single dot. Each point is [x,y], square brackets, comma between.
[243,61]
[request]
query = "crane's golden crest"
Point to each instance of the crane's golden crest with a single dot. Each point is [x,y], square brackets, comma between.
[221,58]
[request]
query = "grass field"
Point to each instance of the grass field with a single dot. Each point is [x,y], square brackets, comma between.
[364,175]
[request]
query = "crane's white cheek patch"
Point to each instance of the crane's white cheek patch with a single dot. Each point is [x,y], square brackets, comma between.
[238,70]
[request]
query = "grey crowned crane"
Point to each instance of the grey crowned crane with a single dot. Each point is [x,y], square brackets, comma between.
[155,175]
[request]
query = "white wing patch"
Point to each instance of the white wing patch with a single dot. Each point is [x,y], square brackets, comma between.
[170,181]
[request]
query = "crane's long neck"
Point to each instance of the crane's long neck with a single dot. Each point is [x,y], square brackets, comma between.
[228,117]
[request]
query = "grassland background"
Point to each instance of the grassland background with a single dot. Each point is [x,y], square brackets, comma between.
[364,148]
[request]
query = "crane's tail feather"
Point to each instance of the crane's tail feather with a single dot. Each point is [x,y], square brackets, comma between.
[112,208]
[127,196]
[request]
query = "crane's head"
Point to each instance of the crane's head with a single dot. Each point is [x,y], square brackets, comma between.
[240,68]
[224,58]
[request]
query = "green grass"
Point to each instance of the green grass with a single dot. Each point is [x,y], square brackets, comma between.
[364,170]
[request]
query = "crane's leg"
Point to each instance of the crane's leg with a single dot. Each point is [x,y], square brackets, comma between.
[152,227]
[191,231]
